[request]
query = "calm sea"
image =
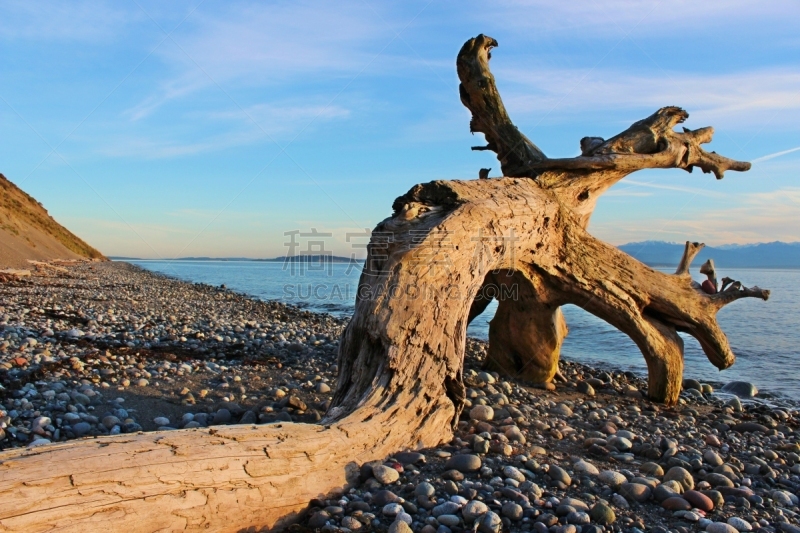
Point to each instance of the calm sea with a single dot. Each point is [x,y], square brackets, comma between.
[765,336]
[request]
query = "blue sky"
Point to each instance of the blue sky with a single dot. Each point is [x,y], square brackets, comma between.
[159,130]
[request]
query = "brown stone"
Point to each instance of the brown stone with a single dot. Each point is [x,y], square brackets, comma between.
[699,500]
[676,503]
[635,492]
[718,480]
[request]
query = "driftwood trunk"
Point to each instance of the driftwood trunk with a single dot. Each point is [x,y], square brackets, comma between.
[448,249]
[526,333]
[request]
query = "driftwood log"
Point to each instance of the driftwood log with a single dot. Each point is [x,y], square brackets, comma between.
[448,249]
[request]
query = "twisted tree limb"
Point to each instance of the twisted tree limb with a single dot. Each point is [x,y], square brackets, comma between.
[479,93]
[648,143]
[577,183]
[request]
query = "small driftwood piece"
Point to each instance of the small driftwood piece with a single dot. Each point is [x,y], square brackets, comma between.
[11,274]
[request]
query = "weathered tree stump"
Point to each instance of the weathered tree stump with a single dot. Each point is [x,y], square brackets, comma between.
[428,272]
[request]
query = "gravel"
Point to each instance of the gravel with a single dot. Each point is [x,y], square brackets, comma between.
[109,348]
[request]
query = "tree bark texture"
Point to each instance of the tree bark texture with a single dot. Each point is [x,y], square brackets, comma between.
[577,183]
[429,271]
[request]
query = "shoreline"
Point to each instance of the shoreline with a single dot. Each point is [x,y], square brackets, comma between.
[107,348]
[344,312]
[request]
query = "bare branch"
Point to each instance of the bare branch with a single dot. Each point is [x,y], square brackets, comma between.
[733,293]
[726,281]
[689,253]
[648,143]
[479,94]
[700,135]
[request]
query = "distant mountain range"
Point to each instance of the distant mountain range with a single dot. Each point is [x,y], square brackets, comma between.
[760,255]
[653,253]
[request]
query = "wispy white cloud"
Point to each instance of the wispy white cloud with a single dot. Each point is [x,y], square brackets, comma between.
[758,217]
[617,18]
[263,45]
[166,91]
[733,100]
[284,117]
[275,40]
[623,185]
[776,154]
[151,148]
[269,123]
[626,192]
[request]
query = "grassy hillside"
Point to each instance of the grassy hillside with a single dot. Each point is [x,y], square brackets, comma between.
[23,217]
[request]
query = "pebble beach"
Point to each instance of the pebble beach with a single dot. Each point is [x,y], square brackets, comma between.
[90,349]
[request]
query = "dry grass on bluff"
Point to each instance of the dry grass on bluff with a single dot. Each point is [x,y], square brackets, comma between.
[28,232]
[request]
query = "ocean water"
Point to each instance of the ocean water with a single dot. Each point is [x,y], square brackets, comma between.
[765,336]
